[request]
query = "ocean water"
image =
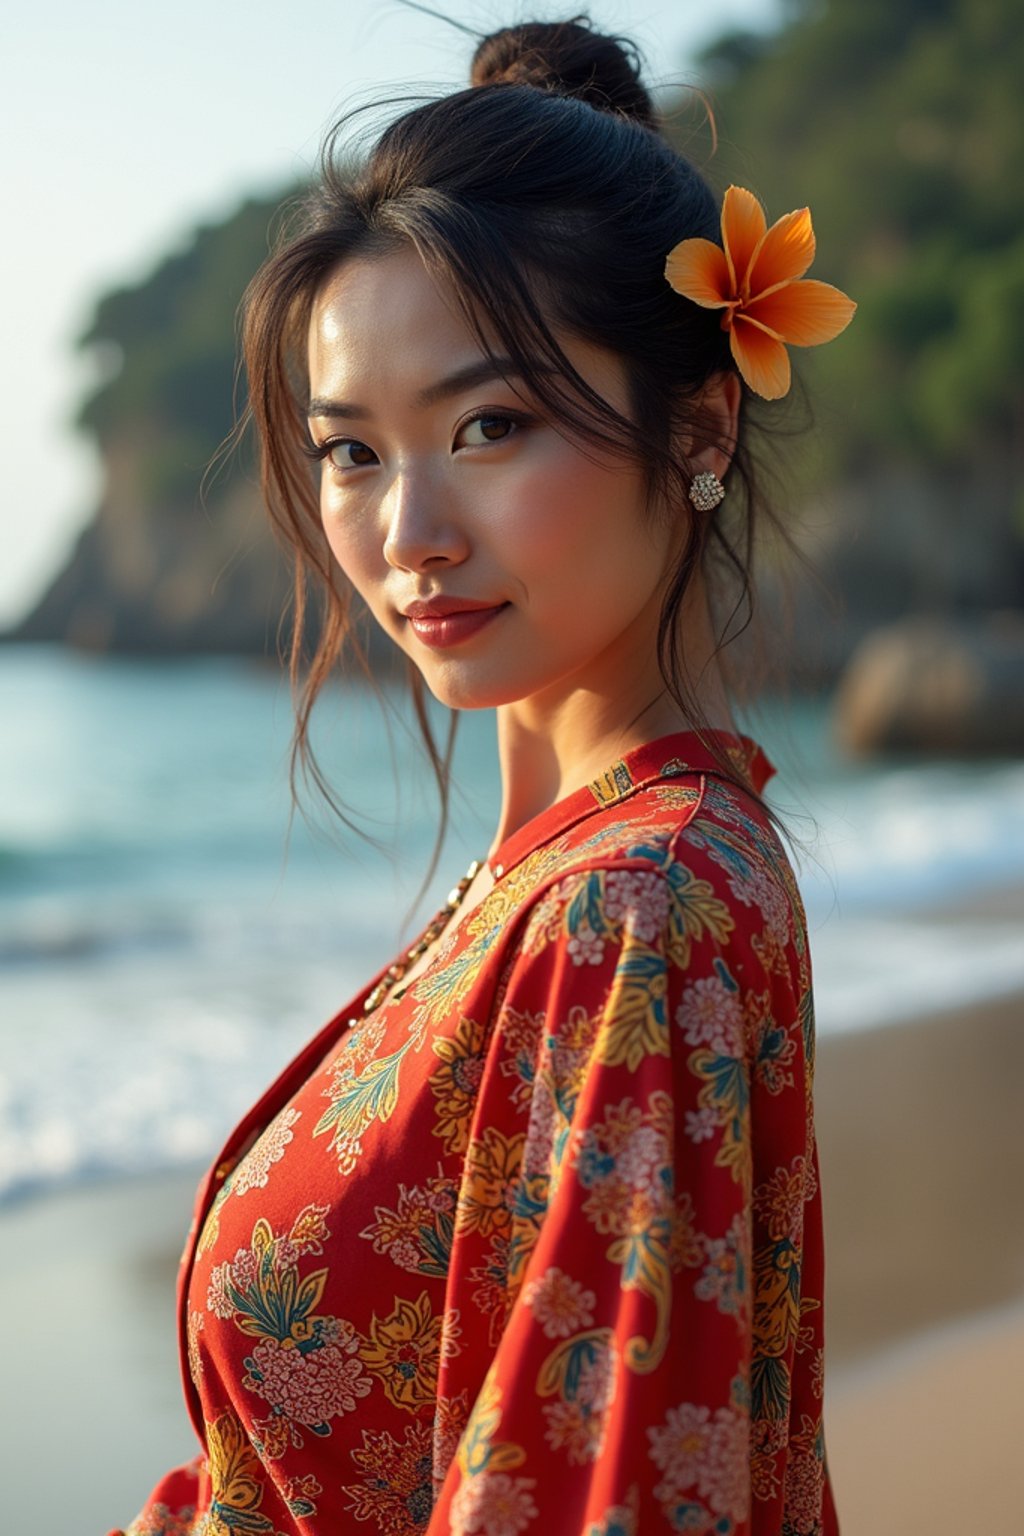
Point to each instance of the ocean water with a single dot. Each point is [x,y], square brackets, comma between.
[170,935]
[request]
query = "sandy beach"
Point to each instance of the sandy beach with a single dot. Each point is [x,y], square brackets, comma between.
[924,1440]
[921,1136]
[920,1131]
[95,1410]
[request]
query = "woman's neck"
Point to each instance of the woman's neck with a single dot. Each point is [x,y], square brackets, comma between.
[552,744]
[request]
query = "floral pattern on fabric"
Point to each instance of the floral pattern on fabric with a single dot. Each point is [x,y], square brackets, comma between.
[704,1459]
[536,1244]
[158,1520]
[307,1367]
[253,1172]
[397,1490]
[417,1234]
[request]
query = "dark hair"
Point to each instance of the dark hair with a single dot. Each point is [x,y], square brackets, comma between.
[545,200]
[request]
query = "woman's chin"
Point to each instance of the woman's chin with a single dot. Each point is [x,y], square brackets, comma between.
[465,693]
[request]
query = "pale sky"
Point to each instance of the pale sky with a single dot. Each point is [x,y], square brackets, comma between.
[125,124]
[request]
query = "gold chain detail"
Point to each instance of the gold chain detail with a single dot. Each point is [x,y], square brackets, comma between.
[433,930]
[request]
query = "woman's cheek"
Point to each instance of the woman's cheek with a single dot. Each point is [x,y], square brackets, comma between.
[533,517]
[338,545]
[346,537]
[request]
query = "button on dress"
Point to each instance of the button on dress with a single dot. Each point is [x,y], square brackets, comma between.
[535,1246]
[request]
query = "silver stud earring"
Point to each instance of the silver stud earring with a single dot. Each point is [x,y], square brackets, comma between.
[706,491]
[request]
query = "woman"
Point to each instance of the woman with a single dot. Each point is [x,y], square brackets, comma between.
[528,1237]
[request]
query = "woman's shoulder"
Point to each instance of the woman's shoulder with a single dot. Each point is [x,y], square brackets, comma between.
[686,899]
[702,822]
[688,846]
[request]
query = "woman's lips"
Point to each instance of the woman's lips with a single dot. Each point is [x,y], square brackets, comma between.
[442,630]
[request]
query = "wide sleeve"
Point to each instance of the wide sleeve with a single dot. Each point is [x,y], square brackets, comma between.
[171,1509]
[658,1363]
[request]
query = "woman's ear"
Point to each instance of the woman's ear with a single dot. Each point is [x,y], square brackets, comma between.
[718,414]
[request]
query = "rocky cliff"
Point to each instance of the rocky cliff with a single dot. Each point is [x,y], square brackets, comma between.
[170,563]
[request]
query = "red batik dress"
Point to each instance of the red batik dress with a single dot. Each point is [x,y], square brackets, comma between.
[535,1247]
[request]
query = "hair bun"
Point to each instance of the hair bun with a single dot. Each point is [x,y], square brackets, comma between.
[569,59]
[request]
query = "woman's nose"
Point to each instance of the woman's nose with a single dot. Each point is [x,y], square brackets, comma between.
[422,525]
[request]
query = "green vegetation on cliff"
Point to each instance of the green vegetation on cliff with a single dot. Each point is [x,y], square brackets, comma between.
[172,344]
[177,558]
[900,125]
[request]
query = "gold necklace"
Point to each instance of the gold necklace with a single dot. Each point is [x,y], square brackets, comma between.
[433,930]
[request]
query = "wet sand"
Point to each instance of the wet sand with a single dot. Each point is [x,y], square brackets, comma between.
[921,1140]
[93,1408]
[921,1131]
[921,1137]
[925,1439]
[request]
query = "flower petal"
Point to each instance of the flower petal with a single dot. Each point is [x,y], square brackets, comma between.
[699,271]
[804,314]
[784,254]
[743,229]
[761,359]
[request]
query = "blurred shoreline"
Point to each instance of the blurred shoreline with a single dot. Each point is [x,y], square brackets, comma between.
[159,943]
[919,1132]
[925,1297]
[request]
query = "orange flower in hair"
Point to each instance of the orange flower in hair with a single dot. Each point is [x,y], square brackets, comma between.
[756,276]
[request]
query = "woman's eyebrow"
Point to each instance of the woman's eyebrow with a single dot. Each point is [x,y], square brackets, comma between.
[482,371]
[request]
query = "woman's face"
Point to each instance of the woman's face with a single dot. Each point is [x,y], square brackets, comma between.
[504,561]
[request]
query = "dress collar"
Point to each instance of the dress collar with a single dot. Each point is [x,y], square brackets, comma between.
[684,752]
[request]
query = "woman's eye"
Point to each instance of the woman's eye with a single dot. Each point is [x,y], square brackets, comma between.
[485,429]
[347,453]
